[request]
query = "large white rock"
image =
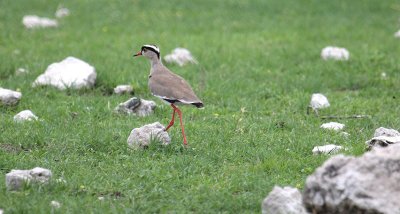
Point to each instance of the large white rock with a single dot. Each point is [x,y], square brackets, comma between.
[319,101]
[180,56]
[347,185]
[62,12]
[25,115]
[69,73]
[33,21]
[123,89]
[333,126]
[286,200]
[9,97]
[327,149]
[142,137]
[16,179]
[335,53]
[136,106]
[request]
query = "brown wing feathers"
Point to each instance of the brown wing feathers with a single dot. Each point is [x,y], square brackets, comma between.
[168,85]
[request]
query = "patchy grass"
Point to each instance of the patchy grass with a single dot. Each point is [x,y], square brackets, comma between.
[259,64]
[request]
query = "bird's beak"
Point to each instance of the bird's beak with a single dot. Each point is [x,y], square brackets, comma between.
[138,54]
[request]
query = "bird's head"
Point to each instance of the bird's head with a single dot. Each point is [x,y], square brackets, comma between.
[149,51]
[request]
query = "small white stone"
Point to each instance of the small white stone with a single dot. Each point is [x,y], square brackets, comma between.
[101,198]
[55,204]
[141,137]
[62,12]
[335,53]
[383,75]
[41,175]
[136,106]
[397,34]
[327,149]
[382,141]
[180,56]
[17,178]
[20,71]
[333,126]
[33,21]
[382,131]
[319,101]
[146,108]
[69,73]
[9,97]
[123,89]
[1,211]
[25,115]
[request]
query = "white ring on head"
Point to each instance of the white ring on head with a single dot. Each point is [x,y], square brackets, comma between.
[153,47]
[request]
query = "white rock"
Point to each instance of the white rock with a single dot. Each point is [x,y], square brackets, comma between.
[146,108]
[62,12]
[101,198]
[397,34]
[136,106]
[286,200]
[347,185]
[333,126]
[69,73]
[1,211]
[16,179]
[327,149]
[20,71]
[319,101]
[335,53]
[180,56]
[123,89]
[25,115]
[383,137]
[40,174]
[9,97]
[32,21]
[382,131]
[55,204]
[382,141]
[141,137]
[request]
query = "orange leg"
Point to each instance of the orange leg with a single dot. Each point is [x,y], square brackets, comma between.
[172,120]
[176,109]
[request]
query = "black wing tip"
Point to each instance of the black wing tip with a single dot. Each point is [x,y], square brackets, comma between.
[198,105]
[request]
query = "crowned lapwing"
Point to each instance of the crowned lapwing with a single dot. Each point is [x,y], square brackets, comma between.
[168,86]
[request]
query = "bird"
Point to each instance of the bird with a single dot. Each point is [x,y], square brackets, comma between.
[168,86]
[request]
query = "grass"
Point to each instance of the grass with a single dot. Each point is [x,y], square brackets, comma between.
[259,65]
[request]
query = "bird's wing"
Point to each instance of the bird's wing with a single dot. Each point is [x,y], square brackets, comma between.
[168,85]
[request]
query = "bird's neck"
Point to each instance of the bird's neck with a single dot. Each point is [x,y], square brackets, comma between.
[155,62]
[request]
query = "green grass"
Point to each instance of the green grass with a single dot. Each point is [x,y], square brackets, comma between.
[259,63]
